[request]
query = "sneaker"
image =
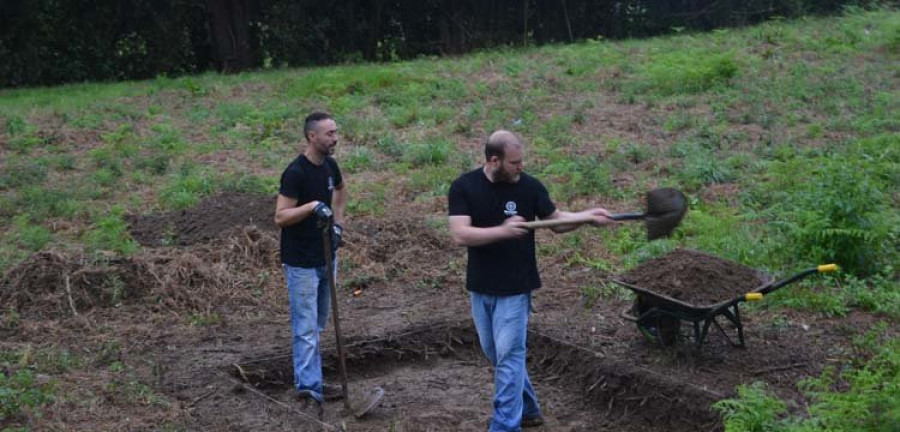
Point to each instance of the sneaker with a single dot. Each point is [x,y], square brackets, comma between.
[535,421]
[310,405]
[332,392]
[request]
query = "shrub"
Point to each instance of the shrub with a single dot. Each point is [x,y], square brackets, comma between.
[689,72]
[432,152]
[22,396]
[110,233]
[31,237]
[359,159]
[753,410]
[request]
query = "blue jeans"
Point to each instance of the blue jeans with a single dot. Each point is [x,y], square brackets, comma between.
[502,324]
[310,300]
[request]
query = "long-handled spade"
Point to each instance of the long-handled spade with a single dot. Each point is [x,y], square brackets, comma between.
[665,208]
[375,395]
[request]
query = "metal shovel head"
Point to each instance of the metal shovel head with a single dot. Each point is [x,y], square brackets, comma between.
[665,208]
[369,401]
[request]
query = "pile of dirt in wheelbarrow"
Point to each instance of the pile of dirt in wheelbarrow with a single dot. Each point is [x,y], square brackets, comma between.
[215,217]
[694,277]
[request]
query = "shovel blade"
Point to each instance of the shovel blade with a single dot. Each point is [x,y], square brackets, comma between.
[665,209]
[371,400]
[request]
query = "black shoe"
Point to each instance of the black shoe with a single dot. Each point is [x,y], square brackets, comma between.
[535,421]
[332,392]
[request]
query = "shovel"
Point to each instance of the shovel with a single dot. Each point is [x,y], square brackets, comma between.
[665,208]
[375,395]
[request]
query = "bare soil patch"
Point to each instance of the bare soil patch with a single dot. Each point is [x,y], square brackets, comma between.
[211,219]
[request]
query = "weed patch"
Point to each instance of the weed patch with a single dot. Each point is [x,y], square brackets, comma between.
[684,72]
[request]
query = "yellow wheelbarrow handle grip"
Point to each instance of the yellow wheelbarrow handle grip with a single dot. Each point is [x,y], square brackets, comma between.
[753,296]
[827,268]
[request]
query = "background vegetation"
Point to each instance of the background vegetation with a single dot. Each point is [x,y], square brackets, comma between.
[785,135]
[48,42]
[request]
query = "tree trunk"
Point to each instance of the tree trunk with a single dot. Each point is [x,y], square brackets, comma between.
[235,46]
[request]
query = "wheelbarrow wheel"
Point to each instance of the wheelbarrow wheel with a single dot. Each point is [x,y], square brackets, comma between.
[657,328]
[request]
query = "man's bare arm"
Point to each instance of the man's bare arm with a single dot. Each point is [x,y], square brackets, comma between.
[464,234]
[287,212]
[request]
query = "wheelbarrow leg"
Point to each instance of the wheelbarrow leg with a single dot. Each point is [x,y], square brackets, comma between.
[702,335]
[698,335]
[735,318]
[739,325]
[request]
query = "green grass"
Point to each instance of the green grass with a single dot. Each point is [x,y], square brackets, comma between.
[796,121]
[861,397]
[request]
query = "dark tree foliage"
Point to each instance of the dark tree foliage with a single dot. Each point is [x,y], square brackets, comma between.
[46,42]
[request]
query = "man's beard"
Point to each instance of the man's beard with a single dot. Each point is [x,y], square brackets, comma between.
[503,176]
[326,150]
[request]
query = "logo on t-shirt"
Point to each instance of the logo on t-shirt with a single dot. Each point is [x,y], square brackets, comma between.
[510,209]
[330,183]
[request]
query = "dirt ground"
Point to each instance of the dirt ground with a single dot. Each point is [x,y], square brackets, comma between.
[202,319]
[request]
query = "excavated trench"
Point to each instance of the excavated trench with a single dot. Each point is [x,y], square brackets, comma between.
[436,379]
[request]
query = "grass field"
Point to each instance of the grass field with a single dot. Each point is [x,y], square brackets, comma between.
[785,136]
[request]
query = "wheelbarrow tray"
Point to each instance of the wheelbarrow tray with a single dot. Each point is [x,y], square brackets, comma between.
[662,317]
[660,306]
[689,310]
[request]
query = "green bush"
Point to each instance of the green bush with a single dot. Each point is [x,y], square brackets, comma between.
[187,188]
[840,211]
[431,152]
[754,410]
[389,146]
[689,72]
[569,177]
[865,397]
[19,172]
[21,396]
[109,232]
[31,237]
[841,215]
[359,159]
[42,203]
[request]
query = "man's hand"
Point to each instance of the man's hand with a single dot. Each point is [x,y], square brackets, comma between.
[337,236]
[599,216]
[514,227]
[324,215]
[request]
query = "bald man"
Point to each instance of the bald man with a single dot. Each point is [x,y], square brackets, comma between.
[488,208]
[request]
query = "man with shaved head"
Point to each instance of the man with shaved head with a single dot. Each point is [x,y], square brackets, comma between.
[488,208]
[312,191]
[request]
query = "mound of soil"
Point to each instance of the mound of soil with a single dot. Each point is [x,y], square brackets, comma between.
[214,217]
[694,277]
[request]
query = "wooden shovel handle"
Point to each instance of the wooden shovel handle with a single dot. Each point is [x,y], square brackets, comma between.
[557,222]
[580,220]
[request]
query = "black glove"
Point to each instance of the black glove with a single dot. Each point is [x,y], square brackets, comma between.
[324,214]
[337,236]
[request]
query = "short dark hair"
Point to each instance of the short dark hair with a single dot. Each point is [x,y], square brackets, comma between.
[311,120]
[496,144]
[494,148]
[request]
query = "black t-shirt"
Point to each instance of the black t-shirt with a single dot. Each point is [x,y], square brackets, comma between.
[509,266]
[301,244]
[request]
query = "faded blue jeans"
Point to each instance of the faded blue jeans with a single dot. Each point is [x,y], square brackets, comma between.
[502,324]
[310,300]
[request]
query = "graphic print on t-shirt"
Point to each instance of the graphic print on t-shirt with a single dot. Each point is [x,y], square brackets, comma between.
[510,209]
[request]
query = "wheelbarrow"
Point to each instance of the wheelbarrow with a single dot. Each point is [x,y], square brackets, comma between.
[659,317]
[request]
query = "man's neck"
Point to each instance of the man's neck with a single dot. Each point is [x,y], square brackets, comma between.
[488,174]
[315,157]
